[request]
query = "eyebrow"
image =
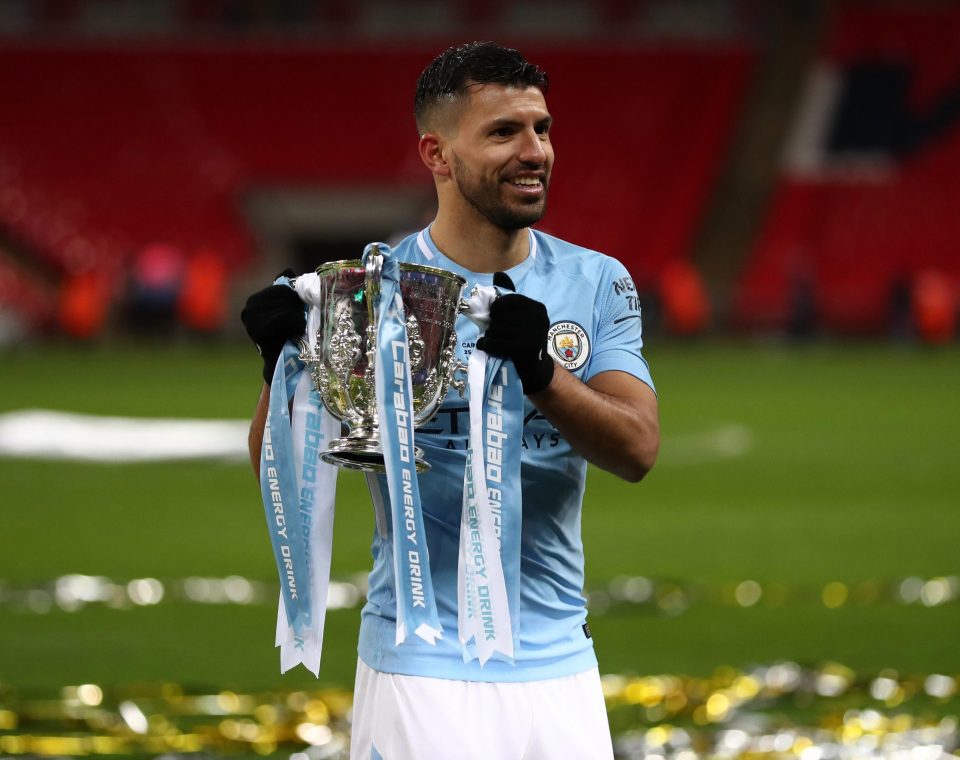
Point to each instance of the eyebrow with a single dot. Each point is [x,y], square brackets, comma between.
[507,122]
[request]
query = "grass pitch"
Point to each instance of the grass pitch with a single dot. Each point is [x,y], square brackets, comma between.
[797,466]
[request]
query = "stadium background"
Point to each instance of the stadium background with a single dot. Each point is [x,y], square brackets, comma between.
[780,178]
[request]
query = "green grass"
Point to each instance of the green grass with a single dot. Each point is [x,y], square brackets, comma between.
[850,475]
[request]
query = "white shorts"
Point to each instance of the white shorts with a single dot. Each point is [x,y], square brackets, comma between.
[399,717]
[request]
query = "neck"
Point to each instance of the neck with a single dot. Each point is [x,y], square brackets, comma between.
[478,245]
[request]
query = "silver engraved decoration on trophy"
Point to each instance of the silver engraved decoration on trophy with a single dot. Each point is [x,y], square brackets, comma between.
[343,365]
[414,343]
[344,352]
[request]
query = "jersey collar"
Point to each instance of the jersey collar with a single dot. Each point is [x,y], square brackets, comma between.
[435,257]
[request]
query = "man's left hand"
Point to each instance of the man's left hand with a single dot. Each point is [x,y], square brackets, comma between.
[518,331]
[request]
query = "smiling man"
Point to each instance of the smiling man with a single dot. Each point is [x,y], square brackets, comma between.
[572,330]
[489,150]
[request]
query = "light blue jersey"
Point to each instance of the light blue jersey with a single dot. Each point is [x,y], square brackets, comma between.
[594,327]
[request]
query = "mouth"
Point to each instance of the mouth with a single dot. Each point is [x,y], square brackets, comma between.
[527,185]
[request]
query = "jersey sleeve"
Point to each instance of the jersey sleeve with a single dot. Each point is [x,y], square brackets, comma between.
[618,341]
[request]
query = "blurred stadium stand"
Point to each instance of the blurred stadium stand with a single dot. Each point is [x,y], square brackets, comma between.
[866,204]
[279,133]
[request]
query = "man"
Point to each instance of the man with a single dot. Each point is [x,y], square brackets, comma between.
[572,330]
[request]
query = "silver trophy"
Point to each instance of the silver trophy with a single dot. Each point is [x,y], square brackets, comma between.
[343,364]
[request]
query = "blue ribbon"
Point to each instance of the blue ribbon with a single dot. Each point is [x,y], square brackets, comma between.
[416,604]
[280,492]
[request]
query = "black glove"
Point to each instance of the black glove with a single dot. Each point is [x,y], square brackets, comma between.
[518,331]
[273,316]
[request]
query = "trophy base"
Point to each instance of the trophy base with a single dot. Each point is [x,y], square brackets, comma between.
[366,455]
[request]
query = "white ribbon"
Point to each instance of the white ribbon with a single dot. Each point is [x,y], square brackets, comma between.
[313,429]
[483,612]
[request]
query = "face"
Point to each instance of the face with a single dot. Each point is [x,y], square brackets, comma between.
[502,156]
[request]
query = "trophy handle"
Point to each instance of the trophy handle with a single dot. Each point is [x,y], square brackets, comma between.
[373,272]
[459,384]
[373,269]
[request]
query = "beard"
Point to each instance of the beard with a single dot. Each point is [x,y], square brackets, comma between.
[486,197]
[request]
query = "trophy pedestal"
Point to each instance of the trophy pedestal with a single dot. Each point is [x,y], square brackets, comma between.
[365,454]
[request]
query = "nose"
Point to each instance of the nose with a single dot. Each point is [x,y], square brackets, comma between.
[533,149]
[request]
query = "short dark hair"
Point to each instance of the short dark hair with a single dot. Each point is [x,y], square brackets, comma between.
[449,74]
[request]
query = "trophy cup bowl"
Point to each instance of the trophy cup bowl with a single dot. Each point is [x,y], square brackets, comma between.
[343,363]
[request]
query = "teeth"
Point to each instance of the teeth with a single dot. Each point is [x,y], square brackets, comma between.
[526,181]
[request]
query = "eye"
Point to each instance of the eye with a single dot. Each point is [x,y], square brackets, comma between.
[502,132]
[543,129]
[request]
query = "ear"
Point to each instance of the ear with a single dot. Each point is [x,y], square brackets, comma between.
[432,155]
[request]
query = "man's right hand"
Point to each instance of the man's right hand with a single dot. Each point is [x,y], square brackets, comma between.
[271,317]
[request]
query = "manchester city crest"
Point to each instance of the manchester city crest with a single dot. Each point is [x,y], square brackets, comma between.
[568,343]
